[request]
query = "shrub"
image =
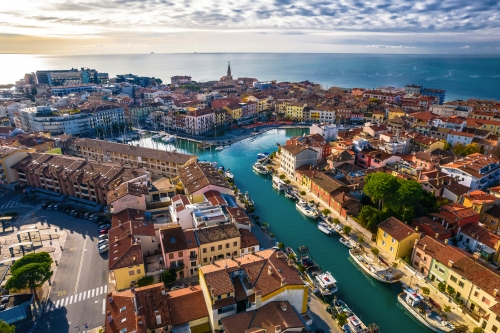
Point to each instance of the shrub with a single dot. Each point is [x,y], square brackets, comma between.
[346,229]
[426,291]
[145,281]
[375,251]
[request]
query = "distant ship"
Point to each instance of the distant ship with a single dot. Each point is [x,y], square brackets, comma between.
[152,53]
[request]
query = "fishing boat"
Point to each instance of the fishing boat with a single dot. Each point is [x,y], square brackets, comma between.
[324,228]
[423,311]
[374,267]
[356,325]
[261,157]
[341,307]
[259,168]
[326,283]
[278,183]
[345,242]
[290,194]
[248,200]
[219,148]
[305,209]
[229,175]
[304,258]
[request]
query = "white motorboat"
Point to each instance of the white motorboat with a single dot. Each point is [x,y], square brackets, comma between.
[374,267]
[219,148]
[305,209]
[229,175]
[346,242]
[326,283]
[259,168]
[261,157]
[356,325]
[169,138]
[156,136]
[278,183]
[423,311]
[290,194]
[323,229]
[248,200]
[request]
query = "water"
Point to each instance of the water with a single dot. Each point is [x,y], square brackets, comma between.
[373,301]
[463,77]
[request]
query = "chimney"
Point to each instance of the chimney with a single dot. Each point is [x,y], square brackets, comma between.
[270,270]
[495,292]
[277,329]
[416,228]
[158,317]
[110,318]
[128,233]
[425,246]
[437,235]
[283,306]
[446,241]
[163,292]
[133,258]
[450,264]
[476,255]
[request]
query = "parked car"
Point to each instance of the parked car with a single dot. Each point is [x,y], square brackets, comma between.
[55,207]
[104,226]
[102,242]
[5,299]
[45,205]
[73,212]
[177,286]
[103,231]
[49,207]
[103,237]
[104,248]
[86,215]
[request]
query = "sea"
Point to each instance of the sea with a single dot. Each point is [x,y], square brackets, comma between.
[372,301]
[462,76]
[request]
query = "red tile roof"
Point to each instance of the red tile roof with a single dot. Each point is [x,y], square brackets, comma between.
[396,229]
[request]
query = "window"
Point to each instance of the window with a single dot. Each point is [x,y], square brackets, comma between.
[204,250]
[204,260]
[461,284]
[138,271]
[392,250]
[383,243]
[123,309]
[476,294]
[453,278]
[212,249]
[235,243]
[393,241]
[385,234]
[494,328]
[179,254]
[170,256]
[219,297]
[235,253]
[227,245]
[193,263]
[418,255]
[219,247]
[485,300]
[130,273]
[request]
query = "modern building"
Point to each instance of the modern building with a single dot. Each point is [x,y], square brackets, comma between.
[9,156]
[263,85]
[439,93]
[396,238]
[476,171]
[73,88]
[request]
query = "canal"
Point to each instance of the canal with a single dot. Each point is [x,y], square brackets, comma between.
[372,301]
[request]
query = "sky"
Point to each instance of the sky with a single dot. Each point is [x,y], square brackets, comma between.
[303,26]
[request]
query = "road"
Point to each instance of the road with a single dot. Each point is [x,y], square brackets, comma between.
[80,285]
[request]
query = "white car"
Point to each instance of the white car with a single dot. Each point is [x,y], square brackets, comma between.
[102,242]
[104,248]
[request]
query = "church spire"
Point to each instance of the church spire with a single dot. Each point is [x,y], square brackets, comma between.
[228,68]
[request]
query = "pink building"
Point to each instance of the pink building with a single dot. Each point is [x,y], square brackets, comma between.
[180,250]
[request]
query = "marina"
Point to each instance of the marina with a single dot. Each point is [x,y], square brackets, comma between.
[307,210]
[371,301]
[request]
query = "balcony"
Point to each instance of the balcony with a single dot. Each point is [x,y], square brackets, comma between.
[177,267]
[193,257]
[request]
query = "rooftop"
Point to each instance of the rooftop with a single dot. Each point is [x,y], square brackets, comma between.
[396,229]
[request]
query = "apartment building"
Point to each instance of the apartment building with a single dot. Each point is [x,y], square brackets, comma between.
[75,176]
[476,171]
[293,156]
[180,250]
[200,121]
[157,162]
[218,242]
[9,156]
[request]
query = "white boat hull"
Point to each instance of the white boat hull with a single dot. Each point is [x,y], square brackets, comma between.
[324,230]
[368,271]
[419,318]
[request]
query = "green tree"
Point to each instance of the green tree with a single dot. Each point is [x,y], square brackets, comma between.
[447,309]
[145,281]
[301,268]
[471,149]
[442,286]
[477,330]
[32,258]
[375,251]
[29,276]
[326,212]
[380,187]
[335,221]
[168,276]
[282,176]
[361,240]
[370,217]
[407,196]
[302,193]
[287,181]
[115,128]
[281,245]
[458,149]
[450,290]
[426,291]
[6,328]
[341,319]
[158,81]
[346,229]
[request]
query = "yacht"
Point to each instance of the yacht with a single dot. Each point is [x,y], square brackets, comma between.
[290,194]
[259,168]
[305,209]
[323,227]
[423,311]
[278,183]
[156,136]
[345,242]
[374,267]
[169,138]
[326,283]
[229,175]
[219,148]
[356,325]
[261,157]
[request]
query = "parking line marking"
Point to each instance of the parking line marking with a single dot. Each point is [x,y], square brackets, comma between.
[100,290]
[106,289]
[66,301]
[57,303]
[93,290]
[79,297]
[103,306]
[84,295]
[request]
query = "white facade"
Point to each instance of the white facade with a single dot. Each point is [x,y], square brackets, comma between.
[320,116]
[455,138]
[480,182]
[199,124]
[290,162]
[42,118]
[329,132]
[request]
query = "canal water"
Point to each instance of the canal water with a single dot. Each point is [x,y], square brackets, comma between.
[372,301]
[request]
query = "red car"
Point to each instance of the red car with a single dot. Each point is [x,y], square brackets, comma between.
[104,231]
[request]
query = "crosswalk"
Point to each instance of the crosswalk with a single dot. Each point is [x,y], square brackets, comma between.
[73,299]
[33,211]
[13,204]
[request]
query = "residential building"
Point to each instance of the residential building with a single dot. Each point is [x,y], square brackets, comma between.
[322,114]
[479,201]
[250,283]
[218,242]
[139,113]
[455,216]
[293,156]
[200,121]
[180,251]
[199,178]
[431,228]
[455,192]
[157,162]
[480,241]
[235,110]
[180,79]
[127,195]
[423,253]
[73,88]
[10,156]
[396,238]
[43,118]
[126,262]
[462,138]
[328,132]
[476,171]
[491,218]
[424,143]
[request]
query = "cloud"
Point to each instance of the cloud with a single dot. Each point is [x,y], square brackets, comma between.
[466,47]
[391,46]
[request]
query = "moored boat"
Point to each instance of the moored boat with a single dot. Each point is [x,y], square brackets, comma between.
[219,148]
[229,175]
[326,283]
[261,157]
[346,242]
[204,145]
[259,168]
[305,209]
[423,311]
[278,183]
[248,200]
[356,325]
[290,194]
[304,258]
[289,251]
[374,267]
[324,228]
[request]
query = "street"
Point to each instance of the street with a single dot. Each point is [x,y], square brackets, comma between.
[79,286]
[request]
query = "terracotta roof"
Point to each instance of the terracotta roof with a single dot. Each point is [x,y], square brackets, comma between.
[186,305]
[481,234]
[153,305]
[221,303]
[450,253]
[295,149]
[197,176]
[396,229]
[473,164]
[431,244]
[430,227]
[494,210]
[238,215]
[248,239]
[120,313]
[328,184]
[217,233]
[144,153]
[215,198]
[485,278]
[127,215]
[122,190]
[458,189]
[265,319]
[190,238]
[173,239]
[123,253]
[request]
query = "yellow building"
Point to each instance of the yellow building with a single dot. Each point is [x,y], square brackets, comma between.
[396,113]
[396,238]
[126,264]
[479,201]
[490,125]
[234,110]
[218,242]
[8,157]
[378,116]
[303,177]
[222,280]
[295,110]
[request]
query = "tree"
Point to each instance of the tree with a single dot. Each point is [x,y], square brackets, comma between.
[159,81]
[287,181]
[29,276]
[145,281]
[336,221]
[477,330]
[380,187]
[326,212]
[375,251]
[281,245]
[282,176]
[458,149]
[442,286]
[346,229]
[370,217]
[447,309]
[361,239]
[341,319]
[426,291]
[168,276]
[302,193]
[407,196]
[6,328]
[471,149]
[39,258]
[450,290]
